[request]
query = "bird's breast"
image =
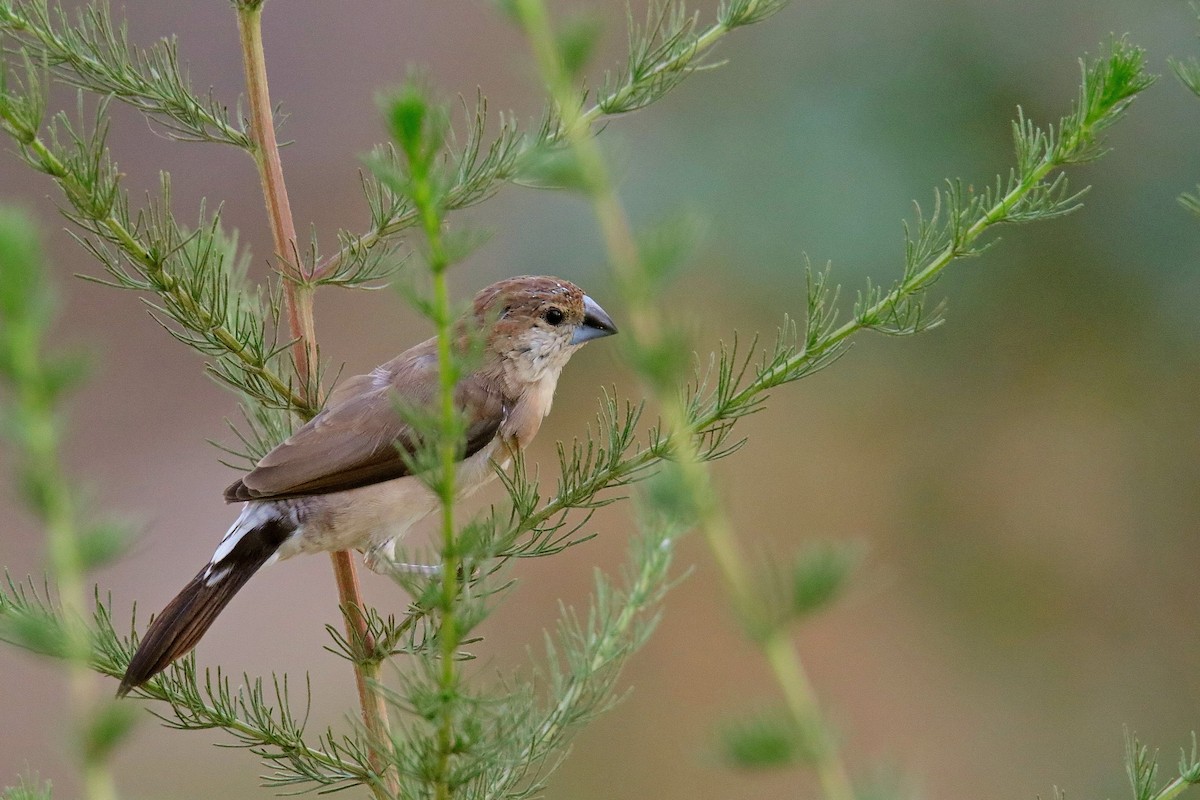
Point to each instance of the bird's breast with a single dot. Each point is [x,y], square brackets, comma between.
[531,407]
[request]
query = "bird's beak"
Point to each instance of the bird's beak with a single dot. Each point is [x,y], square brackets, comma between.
[596,323]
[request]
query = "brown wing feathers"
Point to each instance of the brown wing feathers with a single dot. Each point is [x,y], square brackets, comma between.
[354,442]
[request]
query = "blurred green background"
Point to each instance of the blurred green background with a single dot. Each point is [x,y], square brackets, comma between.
[1023,477]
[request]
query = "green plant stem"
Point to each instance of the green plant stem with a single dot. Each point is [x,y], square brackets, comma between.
[648,334]
[62,541]
[801,700]
[418,127]
[1173,789]
[65,564]
[448,635]
[32,423]
[298,298]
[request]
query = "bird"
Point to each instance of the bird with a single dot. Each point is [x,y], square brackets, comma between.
[344,479]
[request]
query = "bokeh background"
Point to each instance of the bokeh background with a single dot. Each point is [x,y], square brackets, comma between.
[1023,478]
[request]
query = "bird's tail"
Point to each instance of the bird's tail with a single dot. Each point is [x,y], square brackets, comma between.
[250,543]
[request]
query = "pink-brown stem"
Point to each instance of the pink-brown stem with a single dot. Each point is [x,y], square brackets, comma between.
[298,300]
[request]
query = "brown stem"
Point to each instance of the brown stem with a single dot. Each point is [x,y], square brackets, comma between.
[298,298]
[297,293]
[374,708]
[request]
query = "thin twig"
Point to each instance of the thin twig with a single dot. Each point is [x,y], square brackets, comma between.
[298,298]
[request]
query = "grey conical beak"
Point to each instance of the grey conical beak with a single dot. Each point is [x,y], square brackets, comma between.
[596,323]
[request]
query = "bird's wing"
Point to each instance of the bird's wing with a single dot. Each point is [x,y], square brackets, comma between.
[358,438]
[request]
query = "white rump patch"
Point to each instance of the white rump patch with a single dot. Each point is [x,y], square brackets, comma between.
[253,515]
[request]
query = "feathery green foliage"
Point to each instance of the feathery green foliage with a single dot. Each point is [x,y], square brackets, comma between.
[450,727]
[195,277]
[91,51]
[1142,768]
[29,788]
[769,739]
[441,699]
[1188,72]
[35,382]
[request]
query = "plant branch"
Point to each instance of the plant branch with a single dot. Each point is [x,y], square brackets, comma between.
[1141,766]
[366,670]
[270,730]
[947,235]
[94,54]
[101,219]
[419,127]
[298,297]
[616,625]
[449,637]
[661,60]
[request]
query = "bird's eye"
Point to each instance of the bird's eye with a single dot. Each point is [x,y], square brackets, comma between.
[554,316]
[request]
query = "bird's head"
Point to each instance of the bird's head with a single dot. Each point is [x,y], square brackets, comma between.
[535,323]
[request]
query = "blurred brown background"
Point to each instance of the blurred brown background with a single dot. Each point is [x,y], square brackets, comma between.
[1023,477]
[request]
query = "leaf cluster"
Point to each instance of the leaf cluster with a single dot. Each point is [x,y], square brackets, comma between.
[1188,72]
[1142,768]
[192,280]
[91,51]
[770,739]
[29,788]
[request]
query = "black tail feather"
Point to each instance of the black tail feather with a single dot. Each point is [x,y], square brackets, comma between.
[177,629]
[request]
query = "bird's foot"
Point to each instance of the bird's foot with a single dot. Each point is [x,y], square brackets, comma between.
[430,570]
[381,561]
